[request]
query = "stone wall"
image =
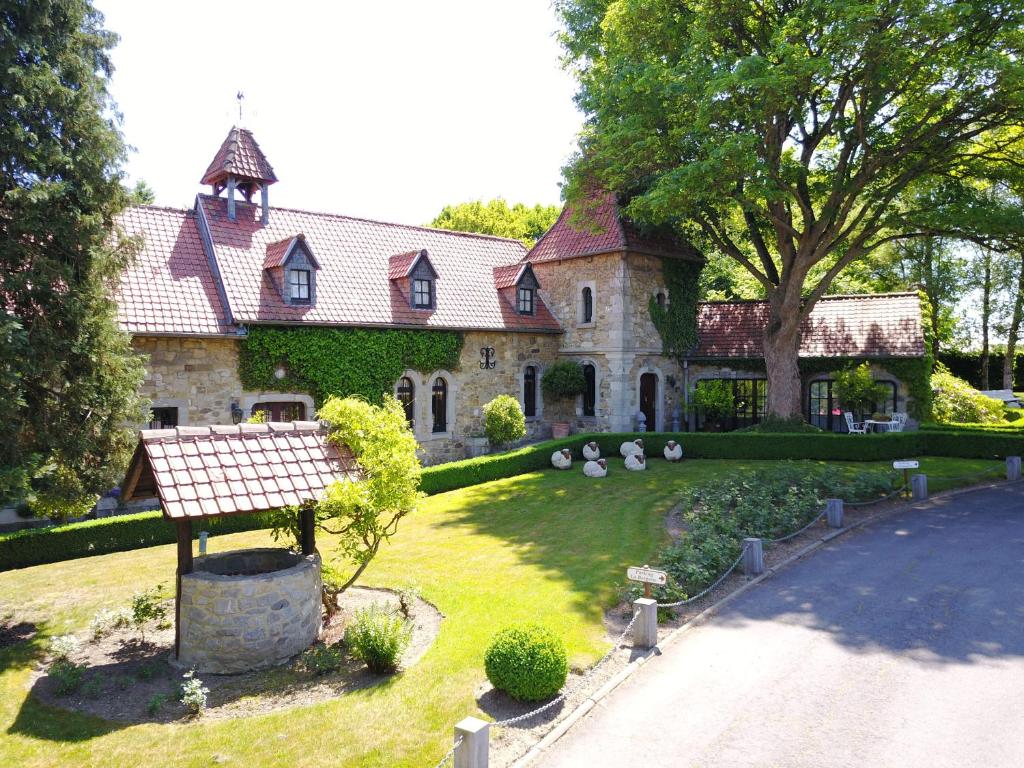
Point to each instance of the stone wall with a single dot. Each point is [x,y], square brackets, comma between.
[235,623]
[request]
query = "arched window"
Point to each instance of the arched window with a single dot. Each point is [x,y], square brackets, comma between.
[660,299]
[588,305]
[530,391]
[439,405]
[590,390]
[406,392]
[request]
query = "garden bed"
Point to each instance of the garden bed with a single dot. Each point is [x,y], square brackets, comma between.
[129,679]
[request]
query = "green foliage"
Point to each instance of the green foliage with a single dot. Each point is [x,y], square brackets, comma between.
[773,424]
[519,222]
[342,361]
[527,662]
[148,606]
[677,320]
[563,379]
[106,621]
[156,703]
[955,401]
[67,676]
[766,504]
[365,513]
[378,637]
[966,365]
[69,380]
[857,390]
[323,659]
[714,397]
[503,420]
[63,647]
[192,693]
[54,544]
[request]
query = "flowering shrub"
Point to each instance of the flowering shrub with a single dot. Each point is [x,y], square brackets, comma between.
[954,401]
[193,693]
[106,621]
[63,647]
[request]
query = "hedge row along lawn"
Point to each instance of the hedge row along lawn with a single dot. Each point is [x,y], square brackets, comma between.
[546,547]
[51,545]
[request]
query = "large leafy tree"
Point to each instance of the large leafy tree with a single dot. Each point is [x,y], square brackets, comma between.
[497,217]
[785,133]
[68,379]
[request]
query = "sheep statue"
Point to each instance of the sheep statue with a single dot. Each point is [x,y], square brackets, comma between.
[673,451]
[628,449]
[561,459]
[635,462]
[591,451]
[597,468]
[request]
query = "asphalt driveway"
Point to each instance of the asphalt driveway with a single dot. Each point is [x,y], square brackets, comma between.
[901,645]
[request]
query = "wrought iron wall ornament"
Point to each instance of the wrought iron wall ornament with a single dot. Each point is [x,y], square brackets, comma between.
[487,361]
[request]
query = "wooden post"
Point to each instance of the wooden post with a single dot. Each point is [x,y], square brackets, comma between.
[307,530]
[184,527]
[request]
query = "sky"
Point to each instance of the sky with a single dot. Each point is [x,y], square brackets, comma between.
[385,110]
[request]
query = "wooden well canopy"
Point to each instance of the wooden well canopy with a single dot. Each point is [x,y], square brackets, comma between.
[203,472]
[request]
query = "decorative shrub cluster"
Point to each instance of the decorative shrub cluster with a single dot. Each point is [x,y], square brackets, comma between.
[342,361]
[955,401]
[193,693]
[106,621]
[63,647]
[563,379]
[503,420]
[528,662]
[767,504]
[378,637]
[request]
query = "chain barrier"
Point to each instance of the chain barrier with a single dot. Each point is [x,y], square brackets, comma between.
[879,500]
[701,594]
[798,532]
[450,755]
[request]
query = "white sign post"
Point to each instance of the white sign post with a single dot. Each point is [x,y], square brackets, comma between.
[906,465]
[647,576]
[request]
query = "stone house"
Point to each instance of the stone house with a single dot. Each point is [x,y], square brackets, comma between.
[207,275]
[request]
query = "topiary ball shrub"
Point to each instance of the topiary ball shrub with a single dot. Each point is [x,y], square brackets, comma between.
[527,662]
[503,420]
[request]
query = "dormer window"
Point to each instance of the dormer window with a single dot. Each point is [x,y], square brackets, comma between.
[525,303]
[298,286]
[423,293]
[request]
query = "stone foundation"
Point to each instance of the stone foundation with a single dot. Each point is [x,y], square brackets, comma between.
[248,610]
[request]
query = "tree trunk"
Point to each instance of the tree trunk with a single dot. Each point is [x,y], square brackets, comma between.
[1013,332]
[931,291]
[986,313]
[781,355]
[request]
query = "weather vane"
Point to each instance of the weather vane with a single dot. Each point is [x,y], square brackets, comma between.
[240,96]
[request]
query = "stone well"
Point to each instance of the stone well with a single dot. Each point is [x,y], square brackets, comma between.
[248,609]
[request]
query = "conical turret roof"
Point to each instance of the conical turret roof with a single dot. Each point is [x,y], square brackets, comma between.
[239,156]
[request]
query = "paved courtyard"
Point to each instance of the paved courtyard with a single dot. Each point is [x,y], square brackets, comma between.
[901,645]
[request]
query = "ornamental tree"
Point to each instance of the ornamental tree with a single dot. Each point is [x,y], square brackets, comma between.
[68,378]
[496,217]
[365,514]
[785,134]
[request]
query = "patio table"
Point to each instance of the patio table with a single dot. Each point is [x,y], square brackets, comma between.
[874,424]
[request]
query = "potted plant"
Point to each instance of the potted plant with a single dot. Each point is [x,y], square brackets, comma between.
[857,391]
[713,398]
[562,382]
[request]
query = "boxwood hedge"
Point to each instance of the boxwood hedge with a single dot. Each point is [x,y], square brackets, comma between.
[95,537]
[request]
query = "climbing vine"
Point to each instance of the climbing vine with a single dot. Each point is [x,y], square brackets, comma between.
[342,361]
[676,321]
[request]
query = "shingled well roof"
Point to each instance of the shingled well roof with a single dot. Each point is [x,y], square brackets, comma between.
[879,326]
[226,470]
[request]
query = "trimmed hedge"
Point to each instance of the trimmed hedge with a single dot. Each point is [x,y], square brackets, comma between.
[96,537]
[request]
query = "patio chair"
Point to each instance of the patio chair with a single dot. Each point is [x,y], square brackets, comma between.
[853,427]
[899,420]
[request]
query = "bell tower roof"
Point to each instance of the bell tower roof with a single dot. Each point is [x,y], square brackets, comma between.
[239,156]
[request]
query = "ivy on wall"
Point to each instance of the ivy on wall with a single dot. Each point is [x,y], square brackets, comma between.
[677,320]
[342,361]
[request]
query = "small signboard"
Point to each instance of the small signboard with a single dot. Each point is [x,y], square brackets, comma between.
[647,575]
[906,464]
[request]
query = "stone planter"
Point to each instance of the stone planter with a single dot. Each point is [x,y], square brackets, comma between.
[477,446]
[560,429]
[248,609]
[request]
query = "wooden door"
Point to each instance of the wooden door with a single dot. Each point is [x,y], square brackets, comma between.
[649,399]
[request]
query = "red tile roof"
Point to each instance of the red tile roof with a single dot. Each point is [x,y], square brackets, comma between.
[881,325]
[597,226]
[240,156]
[276,252]
[507,276]
[169,288]
[225,470]
[353,286]
[400,265]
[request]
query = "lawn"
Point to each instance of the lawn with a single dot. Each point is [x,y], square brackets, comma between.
[548,547]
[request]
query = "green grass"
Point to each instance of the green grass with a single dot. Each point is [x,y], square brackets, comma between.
[546,547]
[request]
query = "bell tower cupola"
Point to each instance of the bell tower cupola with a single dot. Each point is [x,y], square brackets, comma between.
[241,166]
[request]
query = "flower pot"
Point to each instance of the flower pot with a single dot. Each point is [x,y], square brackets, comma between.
[559,429]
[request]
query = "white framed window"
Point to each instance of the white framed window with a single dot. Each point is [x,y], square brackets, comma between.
[525,303]
[422,294]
